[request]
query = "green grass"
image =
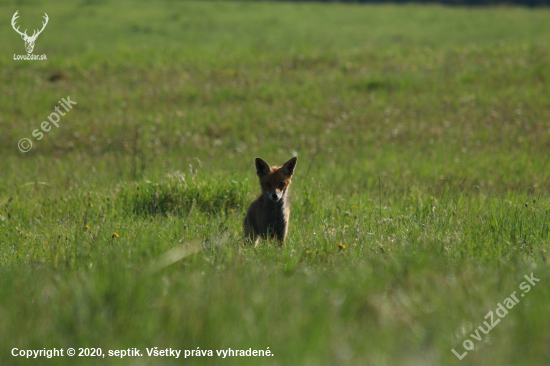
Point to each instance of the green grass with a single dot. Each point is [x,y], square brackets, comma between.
[420,199]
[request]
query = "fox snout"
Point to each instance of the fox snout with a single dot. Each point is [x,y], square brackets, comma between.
[274,196]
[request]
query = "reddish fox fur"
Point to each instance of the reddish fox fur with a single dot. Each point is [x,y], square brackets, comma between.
[268,215]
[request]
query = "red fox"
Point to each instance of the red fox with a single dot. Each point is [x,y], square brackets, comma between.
[269,213]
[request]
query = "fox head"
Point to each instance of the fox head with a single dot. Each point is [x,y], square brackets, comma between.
[275,180]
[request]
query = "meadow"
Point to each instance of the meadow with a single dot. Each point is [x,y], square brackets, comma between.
[419,202]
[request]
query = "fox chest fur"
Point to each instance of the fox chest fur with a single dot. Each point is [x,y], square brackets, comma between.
[268,219]
[268,215]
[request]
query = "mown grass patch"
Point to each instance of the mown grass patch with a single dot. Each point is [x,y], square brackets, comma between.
[178,196]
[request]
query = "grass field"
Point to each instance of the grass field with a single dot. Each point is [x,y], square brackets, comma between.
[419,203]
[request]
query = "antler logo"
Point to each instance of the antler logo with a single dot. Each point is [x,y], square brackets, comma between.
[29,41]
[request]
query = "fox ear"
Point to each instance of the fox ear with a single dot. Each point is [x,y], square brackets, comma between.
[288,167]
[262,168]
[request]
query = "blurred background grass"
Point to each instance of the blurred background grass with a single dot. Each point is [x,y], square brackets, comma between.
[422,136]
